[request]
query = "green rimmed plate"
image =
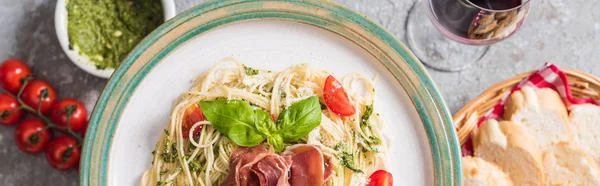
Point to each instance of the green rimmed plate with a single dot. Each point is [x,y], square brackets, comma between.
[136,103]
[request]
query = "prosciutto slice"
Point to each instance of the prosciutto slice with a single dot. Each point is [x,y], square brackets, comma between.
[308,165]
[257,166]
[299,165]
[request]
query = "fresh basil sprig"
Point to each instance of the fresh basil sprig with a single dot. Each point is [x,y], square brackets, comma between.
[248,127]
[237,120]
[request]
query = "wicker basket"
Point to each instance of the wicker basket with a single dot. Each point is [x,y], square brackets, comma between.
[581,83]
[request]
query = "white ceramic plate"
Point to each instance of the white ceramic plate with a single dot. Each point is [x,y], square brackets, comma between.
[83,62]
[135,105]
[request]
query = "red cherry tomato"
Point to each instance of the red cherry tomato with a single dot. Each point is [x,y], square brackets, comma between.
[192,115]
[381,178]
[59,112]
[11,73]
[33,91]
[8,109]
[84,129]
[63,153]
[336,98]
[31,137]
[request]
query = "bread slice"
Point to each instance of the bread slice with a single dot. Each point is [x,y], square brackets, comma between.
[478,172]
[542,113]
[585,125]
[509,146]
[565,164]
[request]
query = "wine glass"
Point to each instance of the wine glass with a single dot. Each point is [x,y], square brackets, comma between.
[451,35]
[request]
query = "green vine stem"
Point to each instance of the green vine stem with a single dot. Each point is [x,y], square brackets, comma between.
[38,112]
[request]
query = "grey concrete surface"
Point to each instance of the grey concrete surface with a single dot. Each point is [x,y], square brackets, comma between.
[558,31]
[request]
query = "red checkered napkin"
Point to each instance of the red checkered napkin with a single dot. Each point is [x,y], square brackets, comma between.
[549,76]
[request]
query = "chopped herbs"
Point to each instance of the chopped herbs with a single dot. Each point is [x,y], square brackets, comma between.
[250,71]
[364,120]
[347,160]
[194,165]
[162,172]
[283,95]
[169,154]
[339,147]
[166,132]
[373,141]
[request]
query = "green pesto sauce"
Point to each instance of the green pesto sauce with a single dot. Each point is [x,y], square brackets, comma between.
[107,30]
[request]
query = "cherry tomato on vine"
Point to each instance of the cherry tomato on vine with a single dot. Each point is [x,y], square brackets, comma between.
[37,90]
[9,109]
[336,98]
[12,72]
[31,136]
[69,107]
[381,178]
[192,115]
[63,153]
[84,129]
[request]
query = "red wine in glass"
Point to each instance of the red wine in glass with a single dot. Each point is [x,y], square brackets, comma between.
[470,22]
[496,4]
[478,21]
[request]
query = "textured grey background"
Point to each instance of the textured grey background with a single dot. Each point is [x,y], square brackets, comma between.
[558,31]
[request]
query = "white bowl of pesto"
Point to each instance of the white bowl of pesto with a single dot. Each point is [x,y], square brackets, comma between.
[99,48]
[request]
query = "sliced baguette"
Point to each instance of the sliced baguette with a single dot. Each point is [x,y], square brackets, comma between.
[478,172]
[542,113]
[565,164]
[585,124]
[509,146]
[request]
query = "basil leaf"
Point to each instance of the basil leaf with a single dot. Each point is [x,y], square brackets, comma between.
[264,123]
[277,142]
[237,120]
[299,119]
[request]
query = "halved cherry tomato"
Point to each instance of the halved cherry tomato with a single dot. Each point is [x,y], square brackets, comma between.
[336,98]
[77,110]
[8,109]
[192,115]
[11,73]
[32,93]
[381,178]
[31,135]
[63,153]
